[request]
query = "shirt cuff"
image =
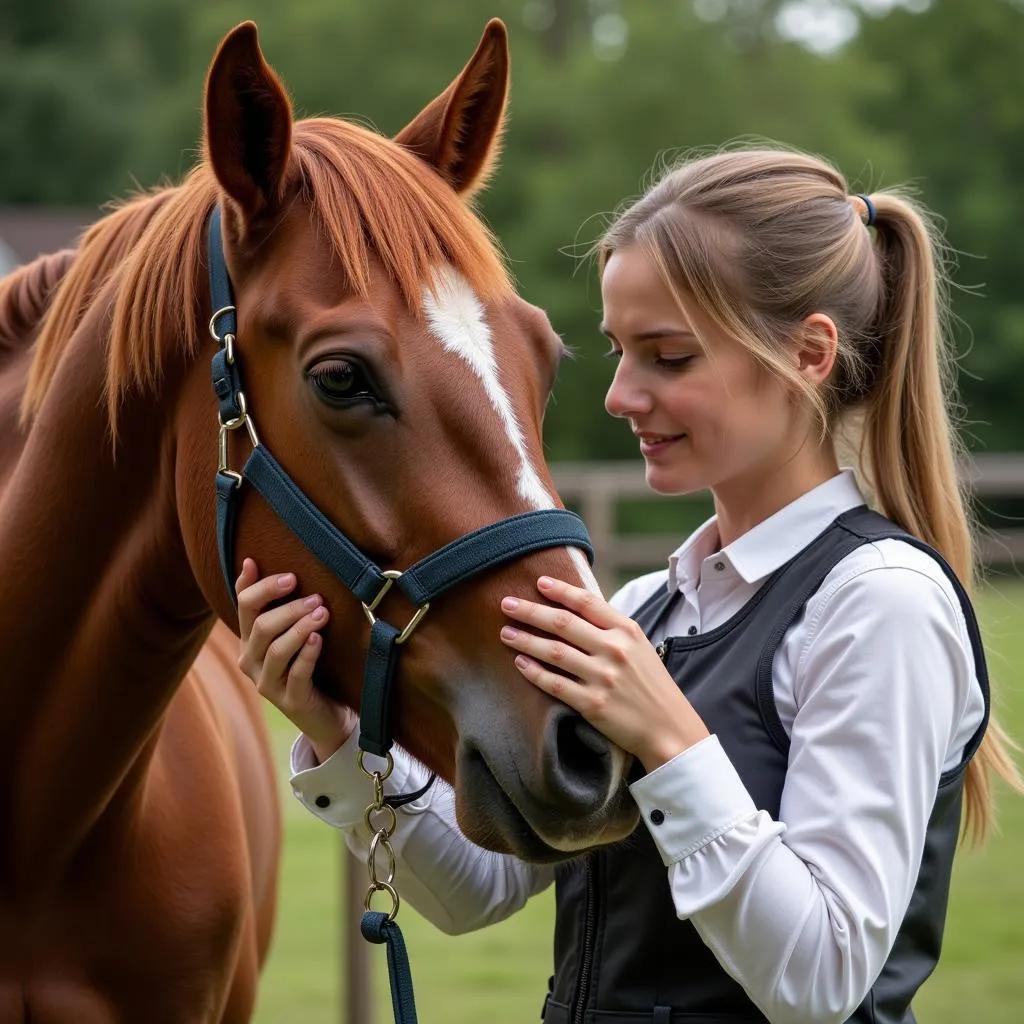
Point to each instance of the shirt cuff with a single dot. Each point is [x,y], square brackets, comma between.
[691,800]
[338,792]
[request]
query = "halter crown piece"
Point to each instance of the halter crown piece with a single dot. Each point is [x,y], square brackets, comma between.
[422,583]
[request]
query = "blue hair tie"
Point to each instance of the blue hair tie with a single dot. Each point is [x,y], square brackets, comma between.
[869,220]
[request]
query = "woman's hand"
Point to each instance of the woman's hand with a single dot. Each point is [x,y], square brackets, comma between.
[605,668]
[279,650]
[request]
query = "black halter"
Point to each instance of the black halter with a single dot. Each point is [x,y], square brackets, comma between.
[425,581]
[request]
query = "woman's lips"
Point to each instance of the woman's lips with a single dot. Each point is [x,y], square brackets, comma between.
[655,444]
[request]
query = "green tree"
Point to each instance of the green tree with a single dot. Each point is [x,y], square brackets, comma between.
[96,97]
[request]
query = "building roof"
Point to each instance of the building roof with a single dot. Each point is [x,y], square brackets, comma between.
[30,231]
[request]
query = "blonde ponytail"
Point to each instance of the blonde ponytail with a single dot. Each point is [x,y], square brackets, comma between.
[910,448]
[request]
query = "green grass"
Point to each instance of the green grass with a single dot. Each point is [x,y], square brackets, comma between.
[499,974]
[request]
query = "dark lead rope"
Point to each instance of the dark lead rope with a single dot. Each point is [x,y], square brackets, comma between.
[377,927]
[428,579]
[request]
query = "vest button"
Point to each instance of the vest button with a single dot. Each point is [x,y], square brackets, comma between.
[323,801]
[692,631]
[657,817]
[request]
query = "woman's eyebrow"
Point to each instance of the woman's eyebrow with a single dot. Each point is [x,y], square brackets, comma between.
[655,334]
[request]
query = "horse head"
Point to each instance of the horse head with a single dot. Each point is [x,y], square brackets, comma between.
[396,375]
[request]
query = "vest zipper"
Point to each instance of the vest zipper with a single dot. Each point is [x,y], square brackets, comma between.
[589,932]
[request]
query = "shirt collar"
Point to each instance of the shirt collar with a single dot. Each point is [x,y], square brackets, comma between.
[772,543]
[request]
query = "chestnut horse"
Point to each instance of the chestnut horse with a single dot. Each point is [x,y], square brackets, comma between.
[140,815]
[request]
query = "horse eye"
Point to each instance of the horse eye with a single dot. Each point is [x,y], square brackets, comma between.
[341,382]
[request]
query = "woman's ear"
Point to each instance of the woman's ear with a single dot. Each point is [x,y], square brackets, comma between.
[816,346]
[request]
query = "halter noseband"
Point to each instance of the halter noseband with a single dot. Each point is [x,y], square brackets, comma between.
[422,583]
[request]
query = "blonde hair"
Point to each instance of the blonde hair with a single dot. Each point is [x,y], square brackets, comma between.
[761,239]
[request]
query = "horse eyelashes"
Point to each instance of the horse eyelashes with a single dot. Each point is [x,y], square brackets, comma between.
[341,382]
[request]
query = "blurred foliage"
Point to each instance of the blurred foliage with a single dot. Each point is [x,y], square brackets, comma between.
[96,97]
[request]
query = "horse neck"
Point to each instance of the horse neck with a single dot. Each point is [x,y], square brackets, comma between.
[98,606]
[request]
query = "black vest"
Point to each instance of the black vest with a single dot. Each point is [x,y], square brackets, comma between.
[621,954]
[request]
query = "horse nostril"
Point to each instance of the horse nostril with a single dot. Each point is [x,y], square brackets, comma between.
[583,763]
[576,730]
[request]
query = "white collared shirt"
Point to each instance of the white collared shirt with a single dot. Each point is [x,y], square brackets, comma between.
[875,685]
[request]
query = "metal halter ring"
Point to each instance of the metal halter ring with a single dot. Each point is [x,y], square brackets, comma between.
[387,828]
[377,843]
[390,576]
[213,323]
[388,768]
[390,890]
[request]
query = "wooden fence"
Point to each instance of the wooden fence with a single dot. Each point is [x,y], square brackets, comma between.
[596,490]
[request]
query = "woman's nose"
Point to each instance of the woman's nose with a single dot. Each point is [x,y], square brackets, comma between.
[625,398]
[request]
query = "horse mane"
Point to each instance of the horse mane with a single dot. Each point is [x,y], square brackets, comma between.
[100,252]
[24,296]
[368,194]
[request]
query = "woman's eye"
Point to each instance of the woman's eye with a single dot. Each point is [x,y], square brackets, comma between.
[673,362]
[341,382]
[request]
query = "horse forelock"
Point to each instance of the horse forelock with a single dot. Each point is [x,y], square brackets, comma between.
[367,195]
[370,194]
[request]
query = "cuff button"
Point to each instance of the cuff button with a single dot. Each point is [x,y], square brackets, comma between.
[325,801]
[657,817]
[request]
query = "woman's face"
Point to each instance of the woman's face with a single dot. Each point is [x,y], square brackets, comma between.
[704,411]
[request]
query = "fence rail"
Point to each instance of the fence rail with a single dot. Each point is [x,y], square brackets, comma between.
[596,488]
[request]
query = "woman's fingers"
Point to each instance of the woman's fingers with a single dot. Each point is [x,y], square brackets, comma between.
[285,646]
[300,675]
[586,603]
[561,687]
[273,622]
[556,653]
[254,594]
[267,627]
[559,621]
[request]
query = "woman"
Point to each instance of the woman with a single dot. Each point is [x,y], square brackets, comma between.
[803,687]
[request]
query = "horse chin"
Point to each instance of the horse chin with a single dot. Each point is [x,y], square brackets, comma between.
[491,817]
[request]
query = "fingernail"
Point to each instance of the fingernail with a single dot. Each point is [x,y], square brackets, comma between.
[545,583]
[312,640]
[311,602]
[522,662]
[510,604]
[286,580]
[320,614]
[508,633]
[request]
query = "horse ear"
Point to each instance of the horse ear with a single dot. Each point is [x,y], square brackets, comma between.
[459,133]
[248,126]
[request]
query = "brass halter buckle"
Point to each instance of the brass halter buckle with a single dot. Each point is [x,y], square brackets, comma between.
[243,420]
[390,576]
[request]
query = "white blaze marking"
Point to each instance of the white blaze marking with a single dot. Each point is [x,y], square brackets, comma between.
[458,320]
